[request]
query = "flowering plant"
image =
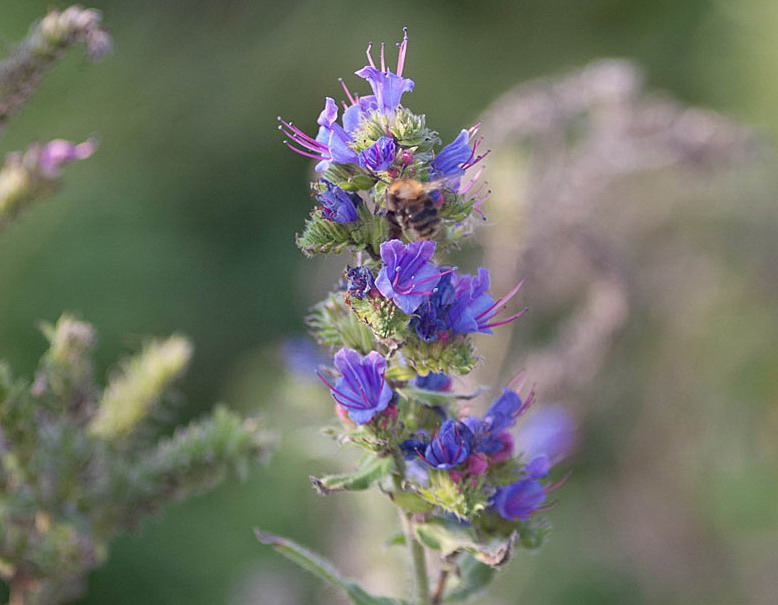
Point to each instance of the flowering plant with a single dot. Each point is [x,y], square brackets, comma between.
[401,322]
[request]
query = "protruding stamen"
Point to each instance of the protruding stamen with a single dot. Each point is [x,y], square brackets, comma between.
[369,57]
[305,153]
[502,301]
[347,91]
[383,60]
[401,54]
[341,394]
[505,321]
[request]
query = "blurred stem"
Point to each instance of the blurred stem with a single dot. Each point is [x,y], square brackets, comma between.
[418,560]
[437,597]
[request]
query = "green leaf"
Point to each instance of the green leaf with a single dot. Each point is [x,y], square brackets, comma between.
[449,537]
[373,469]
[412,502]
[323,569]
[475,577]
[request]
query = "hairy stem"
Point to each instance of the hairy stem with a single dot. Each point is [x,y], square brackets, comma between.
[416,550]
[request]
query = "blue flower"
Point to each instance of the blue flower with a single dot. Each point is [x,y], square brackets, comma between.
[339,206]
[360,281]
[361,390]
[549,433]
[457,157]
[519,500]
[433,382]
[388,88]
[332,143]
[473,308]
[501,416]
[379,156]
[451,445]
[302,357]
[407,276]
[449,161]
[411,448]
[430,318]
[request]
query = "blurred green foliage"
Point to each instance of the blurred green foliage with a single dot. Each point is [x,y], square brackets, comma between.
[184,221]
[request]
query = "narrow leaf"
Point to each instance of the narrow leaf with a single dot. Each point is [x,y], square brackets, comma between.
[323,569]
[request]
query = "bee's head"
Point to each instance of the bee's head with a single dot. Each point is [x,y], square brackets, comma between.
[406,188]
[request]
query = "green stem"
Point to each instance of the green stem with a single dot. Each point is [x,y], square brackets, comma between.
[418,559]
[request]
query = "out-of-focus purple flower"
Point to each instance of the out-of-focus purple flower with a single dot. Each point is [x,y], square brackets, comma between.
[58,152]
[339,206]
[519,500]
[379,156]
[473,309]
[490,431]
[433,381]
[388,88]
[302,357]
[362,388]
[408,276]
[476,464]
[450,446]
[360,282]
[549,432]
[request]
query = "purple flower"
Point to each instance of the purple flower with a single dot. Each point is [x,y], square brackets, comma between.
[411,448]
[457,157]
[407,276]
[361,390]
[490,430]
[331,143]
[339,206]
[388,88]
[58,152]
[360,281]
[430,318]
[549,433]
[379,156]
[302,356]
[473,308]
[433,382]
[451,446]
[519,500]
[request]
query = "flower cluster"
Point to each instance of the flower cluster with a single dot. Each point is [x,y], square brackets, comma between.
[401,323]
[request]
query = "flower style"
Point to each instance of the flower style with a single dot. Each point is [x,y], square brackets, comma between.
[407,276]
[450,446]
[519,500]
[361,390]
[339,206]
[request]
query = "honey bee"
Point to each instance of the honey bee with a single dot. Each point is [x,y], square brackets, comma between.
[410,209]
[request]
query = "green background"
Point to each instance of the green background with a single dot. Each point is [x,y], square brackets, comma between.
[184,222]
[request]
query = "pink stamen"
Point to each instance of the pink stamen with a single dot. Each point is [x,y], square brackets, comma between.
[341,394]
[383,61]
[347,91]
[517,382]
[370,58]
[504,321]
[305,153]
[315,147]
[560,483]
[503,300]
[401,54]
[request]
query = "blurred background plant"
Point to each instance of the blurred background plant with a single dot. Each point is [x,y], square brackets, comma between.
[188,209]
[79,464]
